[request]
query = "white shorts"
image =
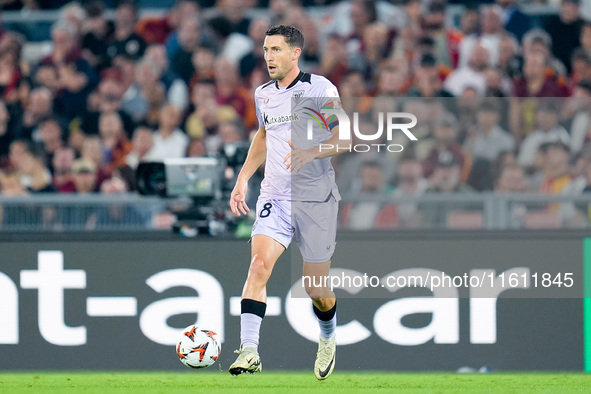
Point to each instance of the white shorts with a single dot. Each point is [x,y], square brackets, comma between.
[313,224]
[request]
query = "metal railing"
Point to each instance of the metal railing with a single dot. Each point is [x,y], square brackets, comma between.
[490,211]
[70,212]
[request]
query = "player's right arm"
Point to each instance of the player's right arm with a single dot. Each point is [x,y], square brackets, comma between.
[255,158]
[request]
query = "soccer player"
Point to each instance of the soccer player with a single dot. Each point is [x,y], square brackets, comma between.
[298,195]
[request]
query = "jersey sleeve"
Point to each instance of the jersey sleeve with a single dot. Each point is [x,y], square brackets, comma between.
[258,111]
[328,98]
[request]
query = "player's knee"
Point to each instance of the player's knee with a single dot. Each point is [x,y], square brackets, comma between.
[259,270]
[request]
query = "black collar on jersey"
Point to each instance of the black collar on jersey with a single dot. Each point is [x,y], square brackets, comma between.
[302,76]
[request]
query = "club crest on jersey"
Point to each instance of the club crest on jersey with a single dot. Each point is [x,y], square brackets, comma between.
[297,95]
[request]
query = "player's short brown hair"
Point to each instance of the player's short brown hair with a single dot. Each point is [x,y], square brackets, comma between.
[293,36]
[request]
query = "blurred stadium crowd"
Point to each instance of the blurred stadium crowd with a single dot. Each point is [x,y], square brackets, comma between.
[503,97]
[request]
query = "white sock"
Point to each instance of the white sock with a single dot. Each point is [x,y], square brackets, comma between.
[250,326]
[327,327]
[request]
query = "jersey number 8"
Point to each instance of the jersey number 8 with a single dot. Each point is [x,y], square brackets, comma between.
[266,211]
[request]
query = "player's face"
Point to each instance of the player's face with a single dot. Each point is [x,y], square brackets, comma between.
[279,56]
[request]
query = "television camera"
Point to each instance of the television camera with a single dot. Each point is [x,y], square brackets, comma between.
[206,181]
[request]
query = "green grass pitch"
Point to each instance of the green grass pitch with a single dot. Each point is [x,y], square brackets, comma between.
[288,382]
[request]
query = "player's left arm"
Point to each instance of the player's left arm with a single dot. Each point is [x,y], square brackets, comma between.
[333,146]
[297,158]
